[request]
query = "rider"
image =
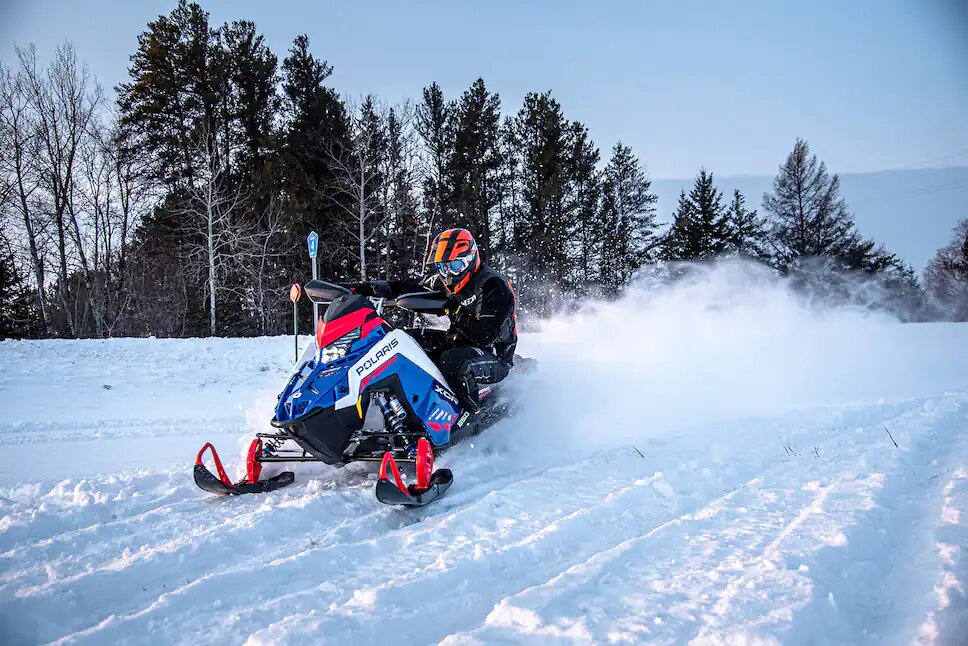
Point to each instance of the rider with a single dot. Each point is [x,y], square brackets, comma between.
[478,348]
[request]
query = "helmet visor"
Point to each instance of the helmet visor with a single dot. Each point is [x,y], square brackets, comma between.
[452,267]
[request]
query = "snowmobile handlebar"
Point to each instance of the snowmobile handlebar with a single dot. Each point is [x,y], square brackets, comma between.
[429,302]
[324,293]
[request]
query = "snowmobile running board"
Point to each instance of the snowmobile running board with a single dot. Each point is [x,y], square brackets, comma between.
[430,484]
[222,486]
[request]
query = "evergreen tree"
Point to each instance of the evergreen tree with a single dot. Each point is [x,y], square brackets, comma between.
[748,234]
[205,100]
[903,294]
[584,198]
[316,131]
[675,242]
[700,227]
[253,102]
[627,223]
[400,202]
[510,207]
[550,193]
[177,90]
[811,219]
[433,117]
[16,311]
[544,227]
[475,161]
[250,103]
[174,105]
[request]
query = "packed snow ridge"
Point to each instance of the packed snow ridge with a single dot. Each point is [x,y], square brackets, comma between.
[712,462]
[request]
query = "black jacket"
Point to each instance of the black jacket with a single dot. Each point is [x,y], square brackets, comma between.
[481,315]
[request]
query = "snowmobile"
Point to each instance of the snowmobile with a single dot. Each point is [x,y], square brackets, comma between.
[366,393]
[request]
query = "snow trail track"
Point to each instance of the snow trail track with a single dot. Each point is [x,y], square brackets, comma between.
[696,511]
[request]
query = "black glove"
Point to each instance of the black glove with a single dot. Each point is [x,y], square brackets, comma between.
[432,281]
[363,289]
[450,307]
[380,288]
[457,336]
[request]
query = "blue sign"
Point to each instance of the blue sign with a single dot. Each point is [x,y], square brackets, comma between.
[312,242]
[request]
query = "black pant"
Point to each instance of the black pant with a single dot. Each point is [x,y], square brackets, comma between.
[464,367]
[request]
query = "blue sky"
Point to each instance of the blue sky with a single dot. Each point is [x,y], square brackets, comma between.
[872,84]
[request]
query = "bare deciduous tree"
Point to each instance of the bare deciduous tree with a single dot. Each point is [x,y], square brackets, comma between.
[259,255]
[64,105]
[358,180]
[946,276]
[402,224]
[225,237]
[20,175]
[113,191]
[211,212]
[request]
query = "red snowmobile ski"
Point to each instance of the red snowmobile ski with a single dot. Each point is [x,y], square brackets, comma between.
[223,486]
[429,486]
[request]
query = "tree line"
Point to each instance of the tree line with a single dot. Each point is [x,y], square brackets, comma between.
[181,208]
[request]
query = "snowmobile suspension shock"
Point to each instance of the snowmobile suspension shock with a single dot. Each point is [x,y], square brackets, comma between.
[396,407]
[393,412]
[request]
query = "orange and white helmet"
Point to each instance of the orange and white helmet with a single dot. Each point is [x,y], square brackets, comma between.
[455,257]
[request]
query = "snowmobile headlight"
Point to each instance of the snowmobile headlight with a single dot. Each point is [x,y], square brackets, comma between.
[338,348]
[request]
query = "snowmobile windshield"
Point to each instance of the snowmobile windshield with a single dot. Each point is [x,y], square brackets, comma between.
[346,305]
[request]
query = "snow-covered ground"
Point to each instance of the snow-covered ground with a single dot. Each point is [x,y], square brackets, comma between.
[712,463]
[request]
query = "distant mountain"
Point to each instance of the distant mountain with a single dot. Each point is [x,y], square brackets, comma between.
[911,212]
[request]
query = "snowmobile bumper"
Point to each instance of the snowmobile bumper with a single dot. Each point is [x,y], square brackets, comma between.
[323,432]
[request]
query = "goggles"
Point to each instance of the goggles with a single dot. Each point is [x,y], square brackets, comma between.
[452,267]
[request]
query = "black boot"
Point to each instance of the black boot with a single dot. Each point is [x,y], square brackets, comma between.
[466,393]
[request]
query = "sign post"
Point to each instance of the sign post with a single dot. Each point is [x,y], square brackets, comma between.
[294,293]
[312,242]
